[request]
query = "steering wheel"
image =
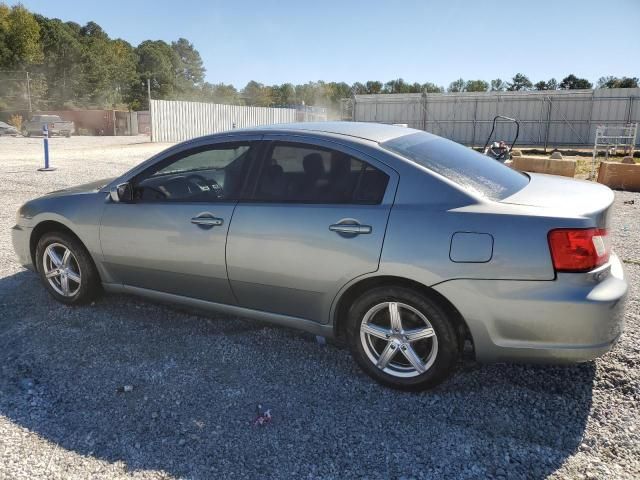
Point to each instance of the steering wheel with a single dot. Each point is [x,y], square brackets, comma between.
[161,195]
[205,185]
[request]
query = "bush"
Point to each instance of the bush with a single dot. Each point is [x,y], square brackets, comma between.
[16,121]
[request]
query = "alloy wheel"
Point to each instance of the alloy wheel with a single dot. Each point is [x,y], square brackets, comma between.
[398,339]
[61,269]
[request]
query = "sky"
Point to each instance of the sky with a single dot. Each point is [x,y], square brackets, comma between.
[275,42]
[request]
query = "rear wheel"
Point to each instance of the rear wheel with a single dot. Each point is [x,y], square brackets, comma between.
[402,339]
[66,268]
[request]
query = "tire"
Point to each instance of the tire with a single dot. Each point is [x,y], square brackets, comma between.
[79,281]
[425,334]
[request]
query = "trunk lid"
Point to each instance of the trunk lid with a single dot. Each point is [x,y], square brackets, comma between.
[566,196]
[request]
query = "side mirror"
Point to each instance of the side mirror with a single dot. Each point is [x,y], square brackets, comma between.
[121,193]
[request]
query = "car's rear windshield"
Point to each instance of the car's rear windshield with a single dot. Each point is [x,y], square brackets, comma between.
[466,167]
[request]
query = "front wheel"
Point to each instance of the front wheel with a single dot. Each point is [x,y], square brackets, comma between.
[402,339]
[66,268]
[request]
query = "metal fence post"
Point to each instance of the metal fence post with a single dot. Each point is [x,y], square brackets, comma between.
[546,136]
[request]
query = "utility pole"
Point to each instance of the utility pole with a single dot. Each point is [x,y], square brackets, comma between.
[29,92]
[149,97]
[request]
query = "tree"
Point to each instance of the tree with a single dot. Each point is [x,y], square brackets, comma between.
[519,82]
[257,94]
[373,87]
[360,89]
[19,38]
[283,95]
[157,62]
[62,65]
[397,86]
[431,88]
[476,86]
[189,69]
[552,84]
[571,82]
[457,86]
[498,85]
[219,93]
[615,82]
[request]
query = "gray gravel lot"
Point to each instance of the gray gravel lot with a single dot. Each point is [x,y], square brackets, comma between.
[197,379]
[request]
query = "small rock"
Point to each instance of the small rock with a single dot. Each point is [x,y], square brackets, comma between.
[181,442]
[27,383]
[556,156]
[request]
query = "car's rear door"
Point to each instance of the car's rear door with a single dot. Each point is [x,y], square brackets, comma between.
[316,219]
[171,238]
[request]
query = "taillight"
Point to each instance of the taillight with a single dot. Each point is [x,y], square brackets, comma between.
[579,250]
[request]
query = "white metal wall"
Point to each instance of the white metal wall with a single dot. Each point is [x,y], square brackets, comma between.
[567,117]
[173,121]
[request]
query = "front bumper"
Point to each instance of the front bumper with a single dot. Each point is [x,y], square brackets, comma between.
[575,318]
[20,236]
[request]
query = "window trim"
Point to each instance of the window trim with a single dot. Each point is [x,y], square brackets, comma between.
[270,143]
[253,152]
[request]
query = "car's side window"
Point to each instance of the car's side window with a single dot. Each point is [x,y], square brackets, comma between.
[297,173]
[212,173]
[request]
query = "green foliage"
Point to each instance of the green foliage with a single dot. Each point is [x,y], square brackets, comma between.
[456,86]
[75,66]
[615,82]
[476,86]
[552,84]
[519,82]
[571,82]
[498,85]
[20,35]
[432,88]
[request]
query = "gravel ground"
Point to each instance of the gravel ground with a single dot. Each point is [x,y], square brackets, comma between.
[196,381]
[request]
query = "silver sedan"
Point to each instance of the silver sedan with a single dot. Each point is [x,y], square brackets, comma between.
[408,246]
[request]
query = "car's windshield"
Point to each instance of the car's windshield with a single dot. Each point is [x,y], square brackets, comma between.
[464,166]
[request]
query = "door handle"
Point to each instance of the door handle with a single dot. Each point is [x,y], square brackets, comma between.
[350,228]
[207,221]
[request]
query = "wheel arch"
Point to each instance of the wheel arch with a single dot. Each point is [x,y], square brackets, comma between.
[48,226]
[348,296]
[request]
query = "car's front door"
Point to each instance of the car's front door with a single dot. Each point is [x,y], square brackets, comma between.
[171,236]
[316,219]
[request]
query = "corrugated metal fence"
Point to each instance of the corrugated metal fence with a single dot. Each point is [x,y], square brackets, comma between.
[547,118]
[177,121]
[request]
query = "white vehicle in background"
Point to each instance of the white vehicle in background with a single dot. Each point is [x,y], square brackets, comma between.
[6,129]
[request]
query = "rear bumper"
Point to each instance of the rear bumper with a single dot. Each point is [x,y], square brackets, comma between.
[20,236]
[575,318]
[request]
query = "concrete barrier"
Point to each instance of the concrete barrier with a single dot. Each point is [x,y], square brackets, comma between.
[622,176]
[565,168]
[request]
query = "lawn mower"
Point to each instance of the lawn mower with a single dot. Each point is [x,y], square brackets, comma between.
[499,150]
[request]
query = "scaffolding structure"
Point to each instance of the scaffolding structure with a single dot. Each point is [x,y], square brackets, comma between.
[612,140]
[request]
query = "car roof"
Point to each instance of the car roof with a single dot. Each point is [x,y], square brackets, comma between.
[377,132]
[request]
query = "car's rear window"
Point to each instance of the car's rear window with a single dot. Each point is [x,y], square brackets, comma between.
[466,167]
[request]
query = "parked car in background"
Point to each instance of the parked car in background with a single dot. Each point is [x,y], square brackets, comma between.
[407,245]
[6,129]
[55,125]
